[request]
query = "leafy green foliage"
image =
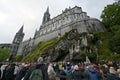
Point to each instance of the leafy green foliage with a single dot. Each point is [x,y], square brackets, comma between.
[102,41]
[109,45]
[4,54]
[111,38]
[111,15]
[115,39]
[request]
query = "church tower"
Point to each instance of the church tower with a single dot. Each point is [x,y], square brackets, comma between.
[17,40]
[46,16]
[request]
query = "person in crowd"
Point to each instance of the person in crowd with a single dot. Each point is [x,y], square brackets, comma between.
[112,74]
[92,73]
[77,74]
[84,72]
[57,70]
[60,65]
[9,73]
[38,66]
[72,66]
[63,74]
[51,72]
[15,70]
[0,69]
[68,72]
[21,71]
[103,72]
[118,71]
[3,70]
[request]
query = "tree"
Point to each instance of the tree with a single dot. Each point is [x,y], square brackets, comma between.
[114,42]
[4,54]
[111,17]
[111,14]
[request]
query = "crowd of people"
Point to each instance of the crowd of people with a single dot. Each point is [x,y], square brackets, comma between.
[59,71]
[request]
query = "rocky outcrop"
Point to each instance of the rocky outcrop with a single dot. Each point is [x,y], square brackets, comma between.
[73,46]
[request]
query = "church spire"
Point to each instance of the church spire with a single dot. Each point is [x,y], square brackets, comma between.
[46,16]
[17,40]
[47,9]
[19,36]
[21,29]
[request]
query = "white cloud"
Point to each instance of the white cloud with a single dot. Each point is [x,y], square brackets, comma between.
[15,13]
[3,17]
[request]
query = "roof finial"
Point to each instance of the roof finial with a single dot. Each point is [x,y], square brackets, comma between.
[47,9]
[23,24]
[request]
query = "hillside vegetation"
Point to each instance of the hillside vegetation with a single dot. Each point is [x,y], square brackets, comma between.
[4,54]
[42,46]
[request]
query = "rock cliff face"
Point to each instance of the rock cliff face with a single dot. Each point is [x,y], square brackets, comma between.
[73,46]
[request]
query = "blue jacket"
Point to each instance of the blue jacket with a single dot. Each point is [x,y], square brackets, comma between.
[93,75]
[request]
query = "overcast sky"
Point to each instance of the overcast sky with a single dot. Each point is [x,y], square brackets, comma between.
[15,13]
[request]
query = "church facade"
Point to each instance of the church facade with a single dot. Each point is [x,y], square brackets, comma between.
[70,18]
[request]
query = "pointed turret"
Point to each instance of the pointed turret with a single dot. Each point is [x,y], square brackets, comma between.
[19,36]
[47,10]
[21,29]
[17,40]
[46,16]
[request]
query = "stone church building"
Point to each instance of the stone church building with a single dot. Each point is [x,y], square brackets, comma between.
[70,18]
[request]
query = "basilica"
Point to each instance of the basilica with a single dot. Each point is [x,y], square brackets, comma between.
[69,19]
